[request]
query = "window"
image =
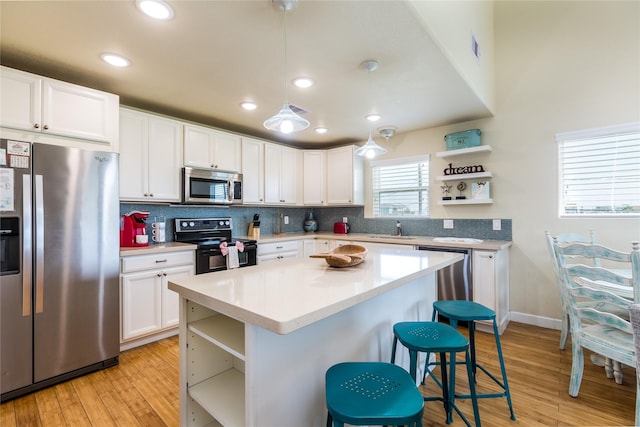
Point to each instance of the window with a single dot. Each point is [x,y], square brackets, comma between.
[600,171]
[401,187]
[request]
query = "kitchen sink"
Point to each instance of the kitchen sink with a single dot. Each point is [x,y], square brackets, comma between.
[390,236]
[456,240]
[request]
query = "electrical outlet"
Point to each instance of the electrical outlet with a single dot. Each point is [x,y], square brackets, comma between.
[497,225]
[448,223]
[286,219]
[344,219]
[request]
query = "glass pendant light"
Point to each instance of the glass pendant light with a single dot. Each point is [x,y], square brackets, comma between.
[286,121]
[370,149]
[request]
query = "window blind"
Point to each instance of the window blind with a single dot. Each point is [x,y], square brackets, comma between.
[401,188]
[600,172]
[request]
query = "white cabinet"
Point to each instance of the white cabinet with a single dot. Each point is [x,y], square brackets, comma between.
[314,173]
[49,106]
[280,174]
[345,175]
[278,251]
[252,171]
[210,148]
[150,157]
[491,283]
[315,246]
[148,306]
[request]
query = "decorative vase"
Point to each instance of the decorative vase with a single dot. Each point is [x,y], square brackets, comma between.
[310,223]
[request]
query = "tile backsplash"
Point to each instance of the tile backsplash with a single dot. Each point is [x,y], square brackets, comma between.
[270,222]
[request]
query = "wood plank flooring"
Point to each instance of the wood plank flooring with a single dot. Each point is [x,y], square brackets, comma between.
[143,390]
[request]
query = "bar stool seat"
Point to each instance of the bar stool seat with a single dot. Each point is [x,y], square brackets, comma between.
[372,393]
[434,337]
[470,311]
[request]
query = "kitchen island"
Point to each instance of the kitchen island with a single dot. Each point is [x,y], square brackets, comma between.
[255,342]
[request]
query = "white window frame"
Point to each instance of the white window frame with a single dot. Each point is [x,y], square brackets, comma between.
[568,141]
[396,162]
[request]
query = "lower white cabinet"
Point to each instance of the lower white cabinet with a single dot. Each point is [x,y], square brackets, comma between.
[278,251]
[147,305]
[491,283]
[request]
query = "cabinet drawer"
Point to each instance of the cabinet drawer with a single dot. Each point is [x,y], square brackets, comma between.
[154,261]
[277,247]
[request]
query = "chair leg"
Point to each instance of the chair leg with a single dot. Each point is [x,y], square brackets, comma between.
[393,349]
[617,372]
[505,382]
[564,332]
[446,394]
[472,389]
[577,367]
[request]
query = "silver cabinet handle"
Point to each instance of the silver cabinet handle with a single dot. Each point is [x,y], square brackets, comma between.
[39,211]
[36,125]
[46,127]
[27,245]
[158,261]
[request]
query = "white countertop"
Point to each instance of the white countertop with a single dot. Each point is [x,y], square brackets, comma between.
[288,295]
[495,245]
[156,248]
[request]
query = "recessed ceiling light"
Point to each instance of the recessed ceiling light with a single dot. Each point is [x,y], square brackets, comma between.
[115,60]
[303,82]
[321,130]
[156,9]
[373,117]
[248,105]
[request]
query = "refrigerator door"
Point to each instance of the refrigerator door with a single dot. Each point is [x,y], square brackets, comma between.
[15,284]
[76,297]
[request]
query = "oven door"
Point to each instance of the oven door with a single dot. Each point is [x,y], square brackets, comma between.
[209,260]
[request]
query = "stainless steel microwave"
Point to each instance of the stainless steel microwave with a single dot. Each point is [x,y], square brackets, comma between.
[211,186]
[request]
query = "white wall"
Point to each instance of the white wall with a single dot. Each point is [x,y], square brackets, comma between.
[560,66]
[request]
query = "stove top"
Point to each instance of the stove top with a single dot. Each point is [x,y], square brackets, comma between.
[206,232]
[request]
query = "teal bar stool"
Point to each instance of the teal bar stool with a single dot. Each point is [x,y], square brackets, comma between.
[469,311]
[372,393]
[434,337]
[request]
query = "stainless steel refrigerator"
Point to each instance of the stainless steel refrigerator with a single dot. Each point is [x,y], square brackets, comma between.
[59,255]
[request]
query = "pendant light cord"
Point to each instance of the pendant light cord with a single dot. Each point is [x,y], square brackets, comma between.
[286,97]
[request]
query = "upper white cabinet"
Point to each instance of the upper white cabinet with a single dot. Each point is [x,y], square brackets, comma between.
[345,175]
[150,157]
[313,181]
[209,148]
[252,171]
[280,174]
[38,104]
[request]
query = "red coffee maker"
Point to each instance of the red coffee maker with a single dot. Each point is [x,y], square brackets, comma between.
[133,225]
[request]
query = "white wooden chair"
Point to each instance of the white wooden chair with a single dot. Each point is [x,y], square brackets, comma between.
[634,316]
[565,238]
[596,307]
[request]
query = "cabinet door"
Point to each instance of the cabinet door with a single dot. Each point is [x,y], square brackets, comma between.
[141,303]
[313,177]
[134,156]
[165,160]
[288,175]
[252,171]
[79,112]
[226,151]
[20,100]
[198,146]
[272,165]
[171,299]
[344,177]
[484,273]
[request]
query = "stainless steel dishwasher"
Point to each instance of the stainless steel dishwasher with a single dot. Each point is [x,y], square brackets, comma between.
[455,282]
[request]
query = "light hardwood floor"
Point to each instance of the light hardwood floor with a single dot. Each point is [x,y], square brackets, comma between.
[143,390]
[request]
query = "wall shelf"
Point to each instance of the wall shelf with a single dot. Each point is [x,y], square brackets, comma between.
[466,202]
[464,151]
[464,176]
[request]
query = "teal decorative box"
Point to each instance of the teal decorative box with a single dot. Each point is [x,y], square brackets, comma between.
[465,139]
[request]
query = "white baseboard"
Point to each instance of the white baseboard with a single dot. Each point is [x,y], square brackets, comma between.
[529,319]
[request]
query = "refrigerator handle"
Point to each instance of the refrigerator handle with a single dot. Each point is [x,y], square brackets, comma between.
[39,231]
[27,245]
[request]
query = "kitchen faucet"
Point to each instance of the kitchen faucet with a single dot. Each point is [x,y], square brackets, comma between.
[398,228]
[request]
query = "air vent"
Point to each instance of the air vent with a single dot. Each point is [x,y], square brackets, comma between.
[298,110]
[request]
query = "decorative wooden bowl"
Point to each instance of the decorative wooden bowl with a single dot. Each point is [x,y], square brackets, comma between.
[343,256]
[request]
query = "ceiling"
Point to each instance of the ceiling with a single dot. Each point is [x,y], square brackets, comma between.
[212,55]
